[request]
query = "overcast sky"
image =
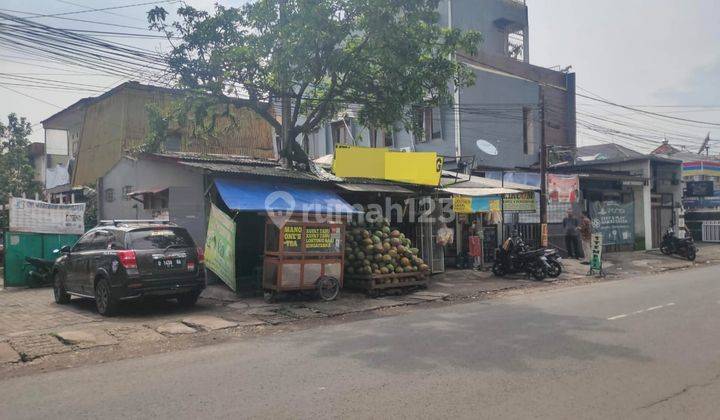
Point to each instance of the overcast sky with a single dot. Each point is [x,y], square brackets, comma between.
[663,55]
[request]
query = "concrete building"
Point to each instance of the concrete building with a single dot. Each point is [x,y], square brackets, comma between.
[510,105]
[649,184]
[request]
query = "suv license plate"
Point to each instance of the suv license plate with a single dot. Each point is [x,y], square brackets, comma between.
[170,263]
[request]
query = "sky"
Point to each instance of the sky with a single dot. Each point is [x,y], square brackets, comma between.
[661,56]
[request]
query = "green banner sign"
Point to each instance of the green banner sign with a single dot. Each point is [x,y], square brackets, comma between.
[220,246]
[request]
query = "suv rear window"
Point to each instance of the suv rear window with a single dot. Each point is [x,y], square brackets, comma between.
[159,238]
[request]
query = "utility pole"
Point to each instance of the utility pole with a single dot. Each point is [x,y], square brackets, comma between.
[285,100]
[543,162]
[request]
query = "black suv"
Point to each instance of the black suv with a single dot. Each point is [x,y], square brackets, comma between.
[123,260]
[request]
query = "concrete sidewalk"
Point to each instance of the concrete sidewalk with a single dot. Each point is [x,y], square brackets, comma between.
[33,326]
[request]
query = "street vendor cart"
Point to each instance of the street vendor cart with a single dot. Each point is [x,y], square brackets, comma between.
[303,256]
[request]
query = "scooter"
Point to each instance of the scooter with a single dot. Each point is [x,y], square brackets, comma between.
[684,247]
[41,272]
[515,257]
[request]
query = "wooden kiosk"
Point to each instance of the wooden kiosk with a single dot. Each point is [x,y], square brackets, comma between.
[303,256]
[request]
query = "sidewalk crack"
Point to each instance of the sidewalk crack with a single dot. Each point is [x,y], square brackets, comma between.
[682,391]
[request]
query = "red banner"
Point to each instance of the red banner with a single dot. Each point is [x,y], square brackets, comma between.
[563,188]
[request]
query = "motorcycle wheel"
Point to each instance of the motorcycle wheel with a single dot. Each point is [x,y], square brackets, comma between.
[538,273]
[691,254]
[665,249]
[555,269]
[498,269]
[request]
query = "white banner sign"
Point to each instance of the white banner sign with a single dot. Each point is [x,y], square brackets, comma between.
[41,217]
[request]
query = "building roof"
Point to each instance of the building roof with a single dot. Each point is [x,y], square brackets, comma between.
[236,165]
[600,154]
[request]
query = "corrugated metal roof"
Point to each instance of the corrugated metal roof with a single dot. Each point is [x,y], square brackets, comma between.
[258,170]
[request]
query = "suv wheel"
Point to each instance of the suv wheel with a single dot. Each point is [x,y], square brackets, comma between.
[188,299]
[61,295]
[104,300]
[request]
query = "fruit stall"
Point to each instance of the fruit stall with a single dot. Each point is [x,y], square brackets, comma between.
[379,257]
[303,256]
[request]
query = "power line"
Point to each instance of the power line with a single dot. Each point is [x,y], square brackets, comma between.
[29,96]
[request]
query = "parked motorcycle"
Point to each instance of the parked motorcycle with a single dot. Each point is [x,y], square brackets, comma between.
[684,247]
[41,272]
[554,261]
[516,257]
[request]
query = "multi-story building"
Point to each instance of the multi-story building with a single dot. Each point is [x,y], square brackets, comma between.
[514,105]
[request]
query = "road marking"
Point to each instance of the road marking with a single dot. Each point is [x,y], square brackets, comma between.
[642,310]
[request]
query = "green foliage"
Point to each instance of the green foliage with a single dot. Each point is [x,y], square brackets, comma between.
[384,56]
[16,170]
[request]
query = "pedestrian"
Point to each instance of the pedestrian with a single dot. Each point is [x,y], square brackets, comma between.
[586,236]
[570,224]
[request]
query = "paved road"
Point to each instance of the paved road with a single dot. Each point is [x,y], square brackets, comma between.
[647,347]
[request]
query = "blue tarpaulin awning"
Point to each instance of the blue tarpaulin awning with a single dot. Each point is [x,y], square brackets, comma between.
[245,195]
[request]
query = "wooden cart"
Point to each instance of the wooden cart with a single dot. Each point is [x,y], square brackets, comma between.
[372,284]
[304,256]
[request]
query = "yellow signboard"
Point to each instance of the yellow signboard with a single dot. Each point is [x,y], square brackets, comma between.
[462,204]
[423,168]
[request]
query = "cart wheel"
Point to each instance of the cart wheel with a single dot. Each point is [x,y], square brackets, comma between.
[269,296]
[328,287]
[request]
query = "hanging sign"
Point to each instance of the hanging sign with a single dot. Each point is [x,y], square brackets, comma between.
[41,217]
[521,202]
[465,204]
[563,188]
[220,246]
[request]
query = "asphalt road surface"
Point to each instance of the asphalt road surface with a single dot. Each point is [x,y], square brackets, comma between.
[647,347]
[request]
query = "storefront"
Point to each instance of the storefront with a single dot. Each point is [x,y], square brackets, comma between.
[248,208]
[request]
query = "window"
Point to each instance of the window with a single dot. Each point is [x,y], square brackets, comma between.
[340,132]
[110,195]
[84,243]
[528,132]
[429,121]
[388,137]
[156,201]
[159,238]
[516,45]
[125,191]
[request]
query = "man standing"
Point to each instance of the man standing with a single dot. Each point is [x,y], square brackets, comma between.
[570,224]
[586,236]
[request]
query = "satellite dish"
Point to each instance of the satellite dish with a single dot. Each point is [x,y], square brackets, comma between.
[487,147]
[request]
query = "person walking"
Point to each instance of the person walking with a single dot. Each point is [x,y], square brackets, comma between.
[570,224]
[586,236]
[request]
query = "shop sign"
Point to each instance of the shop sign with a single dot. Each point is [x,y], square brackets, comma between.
[41,217]
[615,221]
[220,246]
[465,204]
[322,239]
[563,188]
[596,245]
[422,168]
[521,202]
[292,238]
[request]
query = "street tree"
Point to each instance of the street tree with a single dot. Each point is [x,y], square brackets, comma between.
[16,169]
[317,57]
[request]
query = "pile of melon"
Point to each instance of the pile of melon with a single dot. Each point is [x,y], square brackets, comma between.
[377,248]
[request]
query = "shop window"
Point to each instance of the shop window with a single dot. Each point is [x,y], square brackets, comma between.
[110,195]
[528,132]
